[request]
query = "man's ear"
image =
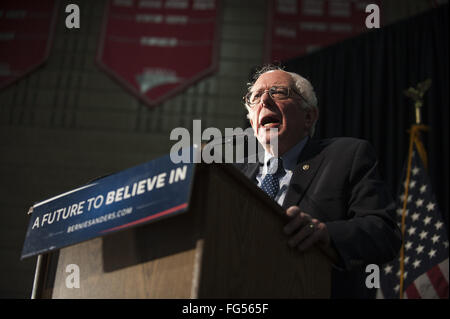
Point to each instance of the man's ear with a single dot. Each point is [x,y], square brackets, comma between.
[309,117]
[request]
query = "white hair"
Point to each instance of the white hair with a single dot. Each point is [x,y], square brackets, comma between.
[305,88]
[302,86]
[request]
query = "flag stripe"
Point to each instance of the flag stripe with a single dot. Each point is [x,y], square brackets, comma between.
[424,287]
[438,281]
[444,269]
[412,292]
[380,294]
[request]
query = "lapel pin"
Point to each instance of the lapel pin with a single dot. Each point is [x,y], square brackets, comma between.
[305,167]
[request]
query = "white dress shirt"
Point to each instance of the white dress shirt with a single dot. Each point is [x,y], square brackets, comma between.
[289,161]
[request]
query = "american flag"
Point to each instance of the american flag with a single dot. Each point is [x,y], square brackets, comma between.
[425,242]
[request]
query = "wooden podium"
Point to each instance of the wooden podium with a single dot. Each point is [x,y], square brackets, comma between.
[229,244]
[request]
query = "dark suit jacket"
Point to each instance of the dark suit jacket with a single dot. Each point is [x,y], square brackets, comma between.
[340,186]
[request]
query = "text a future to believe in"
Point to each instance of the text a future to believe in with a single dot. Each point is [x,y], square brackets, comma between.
[114,196]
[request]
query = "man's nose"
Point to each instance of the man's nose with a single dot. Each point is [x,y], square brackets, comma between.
[266,99]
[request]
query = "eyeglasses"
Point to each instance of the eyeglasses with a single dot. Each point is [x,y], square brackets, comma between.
[275,92]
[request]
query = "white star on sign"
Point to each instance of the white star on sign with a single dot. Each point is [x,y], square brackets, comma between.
[432,253]
[419,249]
[397,288]
[405,259]
[423,234]
[430,206]
[446,244]
[419,202]
[427,220]
[423,188]
[435,238]
[415,170]
[412,231]
[438,225]
[412,184]
[388,269]
[416,263]
[408,245]
[415,216]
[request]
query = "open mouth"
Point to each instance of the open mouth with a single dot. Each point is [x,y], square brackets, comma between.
[269,121]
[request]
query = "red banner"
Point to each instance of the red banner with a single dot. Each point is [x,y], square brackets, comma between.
[157,48]
[298,27]
[26,32]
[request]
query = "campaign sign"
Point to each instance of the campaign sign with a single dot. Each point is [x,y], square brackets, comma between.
[135,196]
[26,32]
[156,48]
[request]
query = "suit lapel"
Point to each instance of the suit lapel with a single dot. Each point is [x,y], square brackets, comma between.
[251,170]
[251,164]
[303,174]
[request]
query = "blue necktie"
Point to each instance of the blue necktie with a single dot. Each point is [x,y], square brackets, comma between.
[271,184]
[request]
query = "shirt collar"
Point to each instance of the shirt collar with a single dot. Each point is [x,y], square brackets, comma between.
[289,158]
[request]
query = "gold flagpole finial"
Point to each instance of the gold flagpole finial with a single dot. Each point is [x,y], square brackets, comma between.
[416,94]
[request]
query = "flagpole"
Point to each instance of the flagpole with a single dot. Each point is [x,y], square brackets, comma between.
[414,133]
[416,94]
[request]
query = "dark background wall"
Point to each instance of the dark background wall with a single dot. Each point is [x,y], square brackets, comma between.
[68,122]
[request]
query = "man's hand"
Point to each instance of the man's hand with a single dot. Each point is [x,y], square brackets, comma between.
[305,231]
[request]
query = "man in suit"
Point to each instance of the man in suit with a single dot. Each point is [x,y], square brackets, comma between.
[330,189]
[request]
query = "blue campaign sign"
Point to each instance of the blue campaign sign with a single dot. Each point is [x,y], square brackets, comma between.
[138,195]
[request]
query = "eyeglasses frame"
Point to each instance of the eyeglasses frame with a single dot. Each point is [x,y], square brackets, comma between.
[251,106]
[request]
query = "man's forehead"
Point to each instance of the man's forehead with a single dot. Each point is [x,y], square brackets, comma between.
[272,78]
